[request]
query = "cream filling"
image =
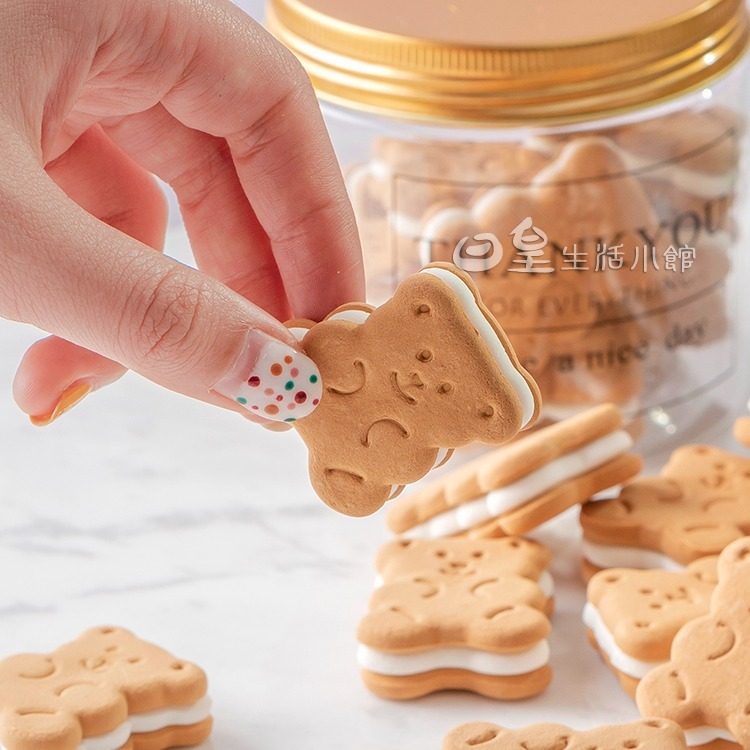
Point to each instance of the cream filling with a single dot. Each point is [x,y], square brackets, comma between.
[508,498]
[181,716]
[470,659]
[621,661]
[703,735]
[615,556]
[490,338]
[546,583]
[151,721]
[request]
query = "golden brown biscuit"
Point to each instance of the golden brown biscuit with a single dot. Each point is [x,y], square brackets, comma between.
[698,505]
[520,486]
[704,686]
[633,615]
[107,685]
[457,615]
[404,383]
[656,734]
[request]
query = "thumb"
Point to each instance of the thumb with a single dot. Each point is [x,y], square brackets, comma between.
[67,273]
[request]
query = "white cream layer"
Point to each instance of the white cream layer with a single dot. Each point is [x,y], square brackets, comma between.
[470,659]
[546,583]
[703,735]
[621,661]
[508,498]
[490,338]
[615,556]
[152,721]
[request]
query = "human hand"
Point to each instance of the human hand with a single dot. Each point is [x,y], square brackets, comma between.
[95,98]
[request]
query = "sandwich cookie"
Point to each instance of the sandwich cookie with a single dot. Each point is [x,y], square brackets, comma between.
[704,686]
[520,486]
[107,690]
[698,504]
[632,616]
[457,615]
[404,384]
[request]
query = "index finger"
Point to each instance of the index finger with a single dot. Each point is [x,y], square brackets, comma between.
[244,86]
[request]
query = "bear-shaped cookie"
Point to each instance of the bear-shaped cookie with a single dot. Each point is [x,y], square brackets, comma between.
[704,687]
[404,384]
[698,505]
[95,686]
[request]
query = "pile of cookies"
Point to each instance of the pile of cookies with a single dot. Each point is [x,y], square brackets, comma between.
[622,261]
[462,602]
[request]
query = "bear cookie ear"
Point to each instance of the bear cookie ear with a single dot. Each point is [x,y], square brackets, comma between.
[406,383]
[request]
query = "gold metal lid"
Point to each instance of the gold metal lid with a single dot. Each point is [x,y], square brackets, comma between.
[509,62]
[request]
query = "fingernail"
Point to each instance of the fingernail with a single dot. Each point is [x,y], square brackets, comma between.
[272,380]
[68,399]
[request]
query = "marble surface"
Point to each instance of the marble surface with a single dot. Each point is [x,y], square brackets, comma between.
[199,531]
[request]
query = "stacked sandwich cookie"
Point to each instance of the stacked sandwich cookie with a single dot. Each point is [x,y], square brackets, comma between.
[457,614]
[632,616]
[107,690]
[698,504]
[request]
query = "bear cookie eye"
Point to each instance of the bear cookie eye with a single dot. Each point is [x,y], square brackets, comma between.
[422,308]
[445,388]
[425,355]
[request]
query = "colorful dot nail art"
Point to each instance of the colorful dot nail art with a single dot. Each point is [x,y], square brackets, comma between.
[281,382]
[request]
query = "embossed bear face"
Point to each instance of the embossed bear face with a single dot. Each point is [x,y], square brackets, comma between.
[417,360]
[463,557]
[644,609]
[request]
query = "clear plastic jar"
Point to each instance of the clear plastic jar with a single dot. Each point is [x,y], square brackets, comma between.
[586,171]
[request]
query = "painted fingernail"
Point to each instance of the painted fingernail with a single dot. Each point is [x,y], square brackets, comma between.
[272,380]
[72,395]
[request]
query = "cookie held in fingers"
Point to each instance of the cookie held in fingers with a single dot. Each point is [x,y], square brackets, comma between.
[106,690]
[457,615]
[516,488]
[704,686]
[404,384]
[699,503]
[652,734]
[632,616]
